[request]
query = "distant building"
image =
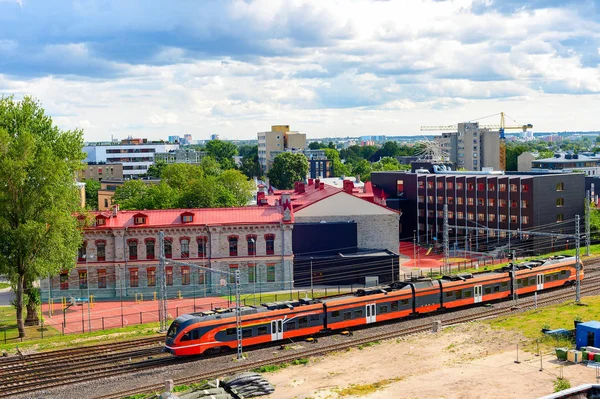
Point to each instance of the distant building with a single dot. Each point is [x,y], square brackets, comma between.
[187,139]
[318,164]
[136,155]
[567,163]
[81,191]
[214,137]
[181,155]
[471,147]
[524,161]
[107,192]
[175,139]
[103,171]
[278,140]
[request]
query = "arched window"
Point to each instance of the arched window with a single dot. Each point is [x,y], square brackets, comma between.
[169,249]
[185,247]
[150,248]
[201,247]
[233,245]
[270,243]
[251,240]
[132,246]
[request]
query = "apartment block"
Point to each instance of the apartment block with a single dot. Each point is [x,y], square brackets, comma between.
[278,140]
[472,147]
[101,171]
[180,156]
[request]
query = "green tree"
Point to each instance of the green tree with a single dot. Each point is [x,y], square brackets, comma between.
[241,188]
[131,195]
[288,168]
[223,152]
[245,149]
[155,171]
[159,196]
[250,165]
[389,149]
[362,168]
[206,192]
[367,152]
[545,154]
[315,145]
[38,197]
[388,163]
[512,153]
[179,175]
[91,193]
[211,167]
[339,169]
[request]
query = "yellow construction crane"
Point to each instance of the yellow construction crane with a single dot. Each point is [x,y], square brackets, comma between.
[501,128]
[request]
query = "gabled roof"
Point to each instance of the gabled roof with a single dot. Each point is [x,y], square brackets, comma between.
[201,217]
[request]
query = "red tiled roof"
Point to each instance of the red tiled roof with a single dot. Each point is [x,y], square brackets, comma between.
[210,216]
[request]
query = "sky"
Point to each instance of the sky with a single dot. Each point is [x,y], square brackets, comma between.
[150,68]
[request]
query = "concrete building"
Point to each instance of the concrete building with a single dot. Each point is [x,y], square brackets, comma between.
[567,163]
[318,164]
[471,147]
[278,140]
[487,202]
[524,161]
[136,155]
[119,254]
[174,139]
[108,187]
[182,155]
[101,171]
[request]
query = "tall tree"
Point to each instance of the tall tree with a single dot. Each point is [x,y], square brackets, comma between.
[131,195]
[288,168]
[223,152]
[315,145]
[91,193]
[155,171]
[339,169]
[38,196]
[241,188]
[250,165]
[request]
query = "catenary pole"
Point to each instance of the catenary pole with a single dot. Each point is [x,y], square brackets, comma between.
[577,262]
[446,241]
[587,223]
[162,279]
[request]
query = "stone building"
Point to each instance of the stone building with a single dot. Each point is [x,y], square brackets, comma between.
[119,256]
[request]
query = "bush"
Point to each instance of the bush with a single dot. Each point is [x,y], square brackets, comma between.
[560,384]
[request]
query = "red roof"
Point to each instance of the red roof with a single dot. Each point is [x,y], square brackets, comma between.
[210,216]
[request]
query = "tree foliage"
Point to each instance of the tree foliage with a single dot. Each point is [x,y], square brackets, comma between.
[339,169]
[155,171]
[91,193]
[250,165]
[223,152]
[38,197]
[288,168]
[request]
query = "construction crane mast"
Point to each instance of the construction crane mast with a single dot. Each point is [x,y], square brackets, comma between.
[501,128]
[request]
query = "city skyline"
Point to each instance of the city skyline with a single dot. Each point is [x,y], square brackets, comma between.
[327,69]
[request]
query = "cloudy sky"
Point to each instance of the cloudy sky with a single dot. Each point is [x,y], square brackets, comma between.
[150,68]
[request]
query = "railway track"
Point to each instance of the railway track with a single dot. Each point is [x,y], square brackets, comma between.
[31,373]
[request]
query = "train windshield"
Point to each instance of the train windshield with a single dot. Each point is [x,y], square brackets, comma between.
[173,330]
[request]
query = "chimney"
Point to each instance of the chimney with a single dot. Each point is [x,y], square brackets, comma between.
[357,178]
[260,197]
[310,182]
[348,186]
[321,186]
[115,210]
[285,198]
[296,184]
[317,181]
[301,187]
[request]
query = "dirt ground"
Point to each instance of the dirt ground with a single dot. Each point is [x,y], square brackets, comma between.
[466,361]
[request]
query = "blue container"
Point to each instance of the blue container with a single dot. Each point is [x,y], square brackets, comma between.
[588,334]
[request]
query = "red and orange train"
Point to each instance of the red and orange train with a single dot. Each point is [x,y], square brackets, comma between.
[214,331]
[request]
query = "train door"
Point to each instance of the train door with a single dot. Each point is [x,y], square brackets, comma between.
[540,281]
[371,313]
[276,330]
[477,295]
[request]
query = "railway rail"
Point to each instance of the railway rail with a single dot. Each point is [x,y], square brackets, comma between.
[31,373]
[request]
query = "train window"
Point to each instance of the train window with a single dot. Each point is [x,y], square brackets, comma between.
[290,325]
[496,288]
[404,302]
[448,293]
[458,295]
[230,331]
[335,313]
[358,313]
[505,283]
[383,309]
[468,294]
[555,277]
[519,281]
[246,333]
[262,330]
[563,272]
[347,315]
[488,290]
[186,337]
[195,333]
[547,278]
[525,282]
[394,306]
[303,321]
[314,317]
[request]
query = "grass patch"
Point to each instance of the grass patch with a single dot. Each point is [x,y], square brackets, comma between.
[368,344]
[275,367]
[4,285]
[364,389]
[560,384]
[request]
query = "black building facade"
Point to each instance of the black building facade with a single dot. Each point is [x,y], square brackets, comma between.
[488,202]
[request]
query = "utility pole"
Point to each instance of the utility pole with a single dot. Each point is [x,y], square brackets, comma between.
[238,315]
[577,261]
[587,222]
[446,241]
[162,281]
[514,277]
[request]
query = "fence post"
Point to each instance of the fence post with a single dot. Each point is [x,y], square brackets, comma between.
[177,309]
[103,324]
[122,323]
[339,286]
[141,318]
[4,336]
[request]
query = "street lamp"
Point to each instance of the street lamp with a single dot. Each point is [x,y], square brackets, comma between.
[87,283]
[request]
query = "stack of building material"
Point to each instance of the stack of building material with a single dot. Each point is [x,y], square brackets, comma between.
[212,393]
[248,385]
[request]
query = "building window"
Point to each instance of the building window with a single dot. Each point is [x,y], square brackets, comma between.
[185,247]
[513,218]
[232,269]
[150,248]
[101,250]
[83,281]
[440,214]
[491,202]
[270,273]
[151,273]
[440,199]
[430,213]
[560,217]
[101,278]
[513,203]
[169,275]
[470,201]
[502,187]
[491,187]
[502,203]
[187,218]
[430,184]
[106,202]
[251,273]
[440,185]
[430,199]
[233,246]
[470,216]
[399,188]
[100,221]
[460,200]
[422,212]
[459,186]
[525,188]
[450,185]
[201,278]
[421,184]
[201,247]
[525,219]
[502,218]
[64,280]
[470,186]
[560,186]
[185,275]
[251,241]
[82,251]
[560,202]
[491,217]
[480,186]
[481,217]
[134,280]
[132,244]
[524,204]
[139,220]
[421,199]
[450,215]
[460,215]
[168,248]
[513,188]
[450,200]
[480,201]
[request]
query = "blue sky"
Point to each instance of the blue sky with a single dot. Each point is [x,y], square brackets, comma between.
[151,68]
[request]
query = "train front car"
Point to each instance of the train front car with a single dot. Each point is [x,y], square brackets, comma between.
[176,333]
